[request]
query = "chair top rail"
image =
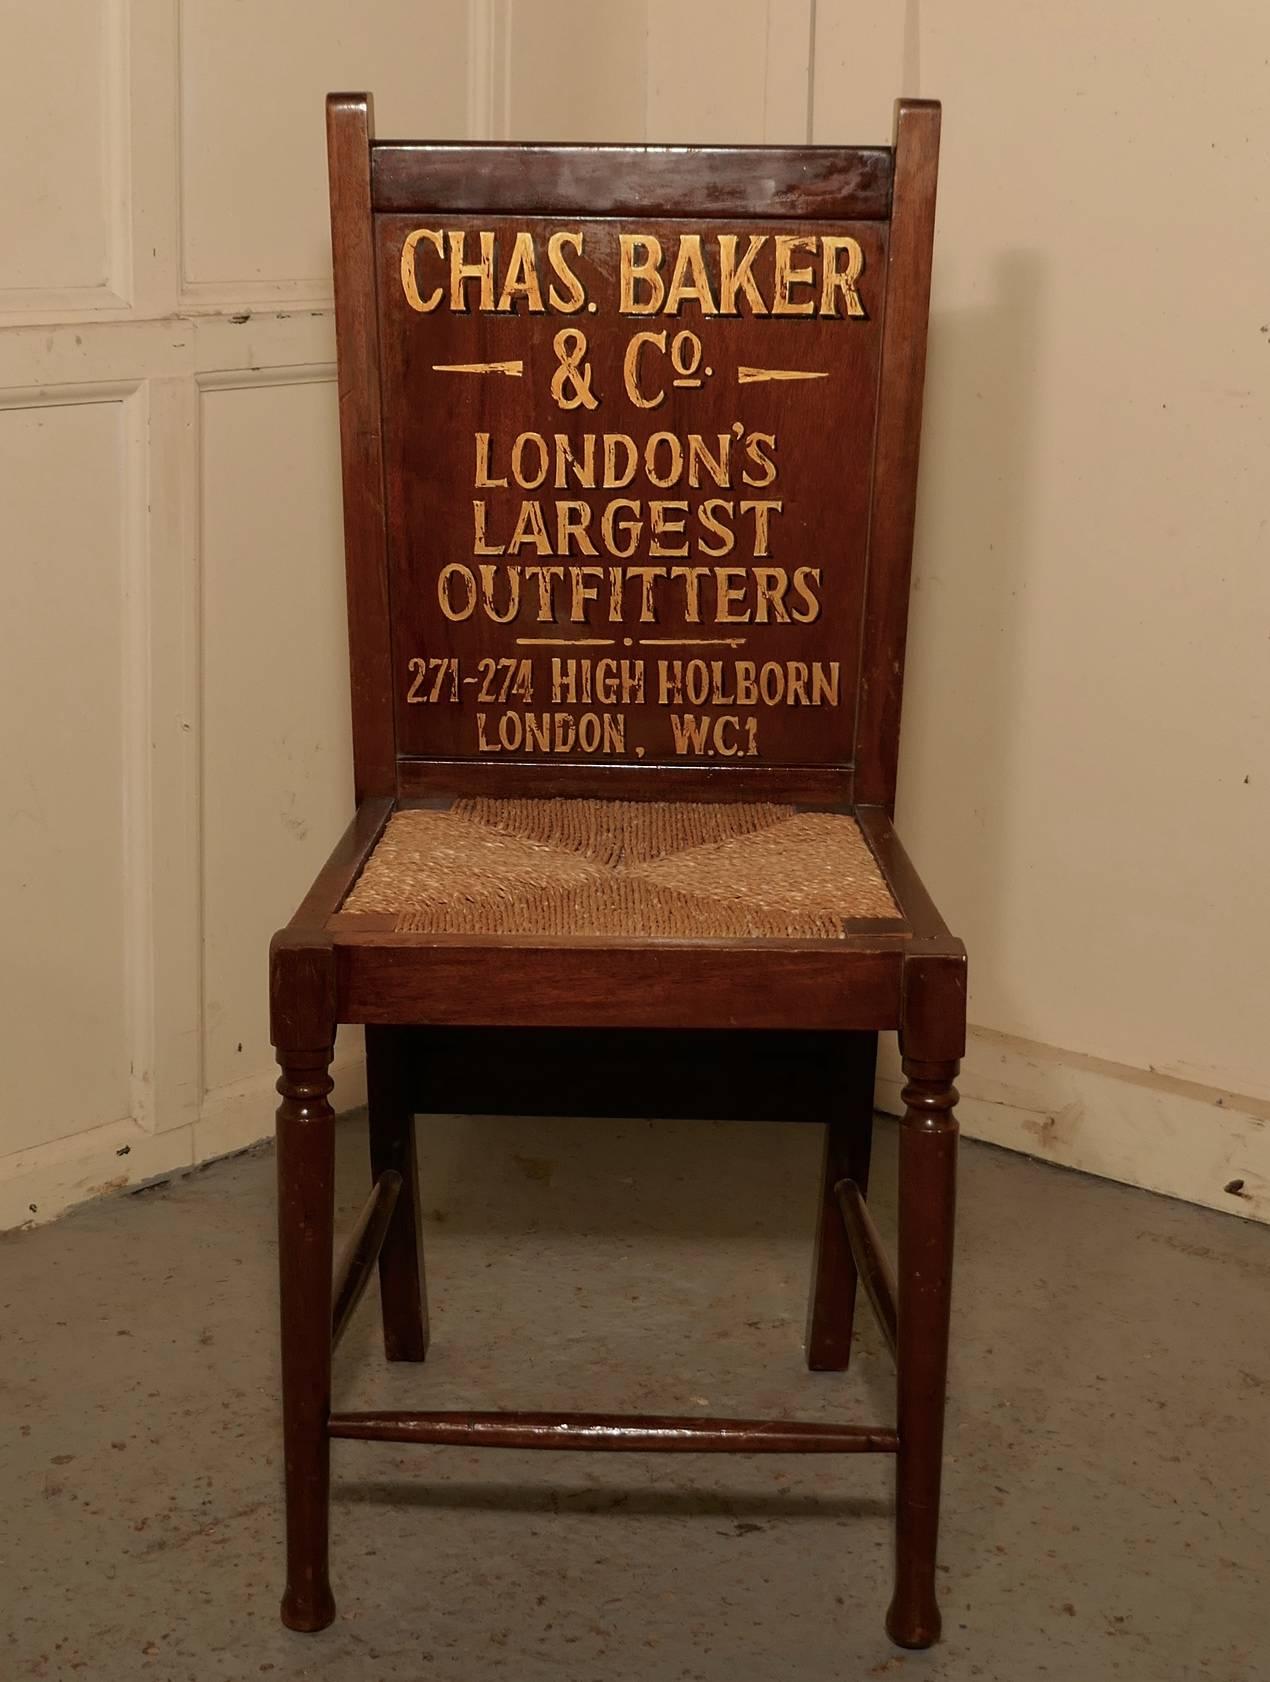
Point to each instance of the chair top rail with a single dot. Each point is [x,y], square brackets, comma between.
[766,182]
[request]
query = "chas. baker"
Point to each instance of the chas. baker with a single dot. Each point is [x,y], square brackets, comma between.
[507,271]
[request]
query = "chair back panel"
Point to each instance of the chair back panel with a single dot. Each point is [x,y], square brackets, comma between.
[629,453]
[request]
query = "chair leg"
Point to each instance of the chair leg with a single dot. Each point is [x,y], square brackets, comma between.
[927,1199]
[848,1146]
[403,1290]
[306,1212]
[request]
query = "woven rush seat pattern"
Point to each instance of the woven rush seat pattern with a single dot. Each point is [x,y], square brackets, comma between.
[622,868]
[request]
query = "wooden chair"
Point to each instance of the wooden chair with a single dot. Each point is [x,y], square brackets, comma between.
[625,825]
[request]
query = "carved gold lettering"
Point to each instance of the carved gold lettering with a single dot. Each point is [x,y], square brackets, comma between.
[824,683]
[663,524]
[579,681]
[545,578]
[520,280]
[572,522]
[583,469]
[448,576]
[529,477]
[574,296]
[770,585]
[487,576]
[615,477]
[730,605]
[648,577]
[640,264]
[809,275]
[551,732]
[480,546]
[834,281]
[765,464]
[481,271]
[787,277]
[483,480]
[804,578]
[699,456]
[630,369]
[762,508]
[737,277]
[571,382]
[712,523]
[409,276]
[531,530]
[663,443]
[692,577]
[689,280]
[583,592]
[629,529]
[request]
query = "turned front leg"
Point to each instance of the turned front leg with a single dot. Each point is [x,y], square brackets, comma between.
[306,1212]
[927,1200]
